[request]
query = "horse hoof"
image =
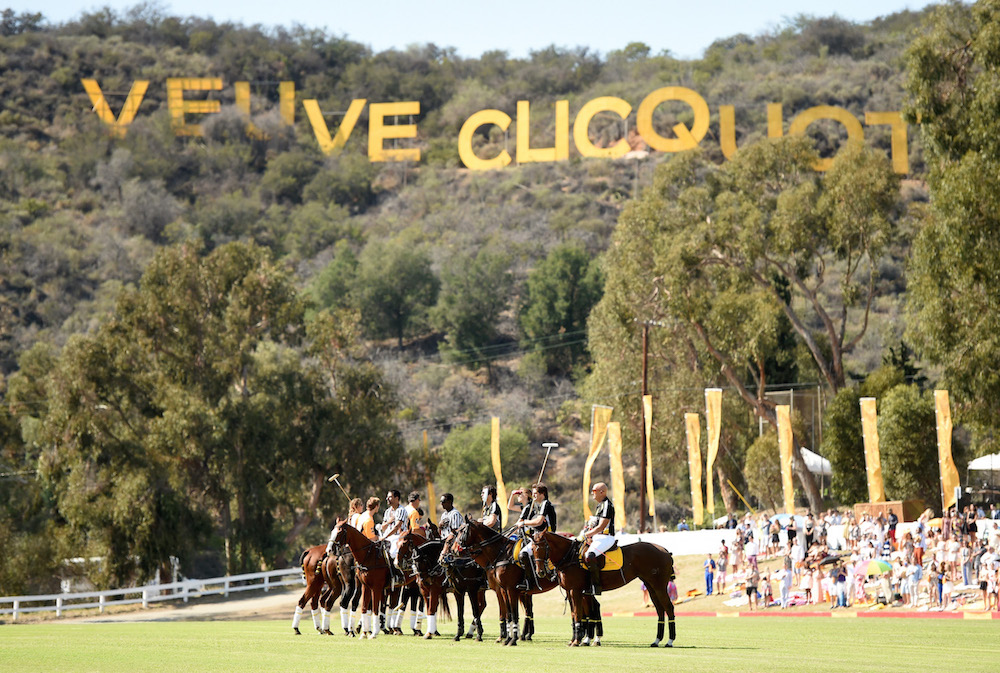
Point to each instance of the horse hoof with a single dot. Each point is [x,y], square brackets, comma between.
[479,639]
[500,640]
[597,643]
[656,643]
[467,636]
[670,643]
[428,636]
[458,638]
[527,637]
[297,632]
[513,642]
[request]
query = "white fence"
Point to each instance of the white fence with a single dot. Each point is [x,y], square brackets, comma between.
[182,590]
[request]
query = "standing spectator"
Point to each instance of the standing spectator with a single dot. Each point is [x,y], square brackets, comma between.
[709,574]
[723,565]
[750,549]
[809,529]
[753,580]
[798,556]
[768,592]
[773,537]
[841,585]
[784,578]
[994,512]
[892,523]
[806,583]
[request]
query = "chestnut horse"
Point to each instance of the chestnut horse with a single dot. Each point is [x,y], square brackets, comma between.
[420,556]
[492,551]
[651,563]
[371,569]
[315,581]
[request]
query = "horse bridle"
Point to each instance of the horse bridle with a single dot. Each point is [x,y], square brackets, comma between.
[478,547]
[564,562]
[359,563]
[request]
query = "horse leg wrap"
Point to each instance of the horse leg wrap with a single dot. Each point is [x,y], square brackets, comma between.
[366,622]
[351,622]
[344,615]
[672,631]
[413,620]
[315,620]
[297,618]
[326,620]
[420,620]
[432,624]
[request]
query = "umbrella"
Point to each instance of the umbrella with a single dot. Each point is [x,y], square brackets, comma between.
[783,519]
[873,567]
[829,560]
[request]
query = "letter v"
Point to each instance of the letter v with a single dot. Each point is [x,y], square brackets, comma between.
[103,110]
[333,145]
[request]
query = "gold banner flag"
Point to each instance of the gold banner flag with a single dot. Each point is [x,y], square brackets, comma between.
[784,414]
[693,423]
[949,473]
[713,425]
[431,498]
[501,489]
[617,474]
[647,417]
[873,464]
[599,418]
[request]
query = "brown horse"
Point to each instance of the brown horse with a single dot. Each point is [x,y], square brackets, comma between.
[464,577]
[492,551]
[420,556]
[371,569]
[651,563]
[315,593]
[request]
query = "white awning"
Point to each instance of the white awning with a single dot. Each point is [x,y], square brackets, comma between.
[816,463]
[990,463]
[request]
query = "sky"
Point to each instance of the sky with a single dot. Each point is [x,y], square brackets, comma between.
[683,27]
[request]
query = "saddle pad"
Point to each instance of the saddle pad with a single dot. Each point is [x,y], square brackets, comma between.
[613,559]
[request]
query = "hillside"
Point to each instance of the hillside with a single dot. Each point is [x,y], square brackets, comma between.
[86,202]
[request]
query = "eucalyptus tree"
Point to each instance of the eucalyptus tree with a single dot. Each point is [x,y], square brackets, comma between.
[726,257]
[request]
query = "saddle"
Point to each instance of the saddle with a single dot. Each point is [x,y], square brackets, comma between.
[612,559]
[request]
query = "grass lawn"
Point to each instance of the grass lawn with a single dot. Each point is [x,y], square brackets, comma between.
[704,644]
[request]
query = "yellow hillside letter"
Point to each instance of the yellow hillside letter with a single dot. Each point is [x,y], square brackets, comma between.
[469,128]
[558,152]
[855,132]
[103,110]
[333,145]
[581,127]
[178,107]
[898,149]
[378,132]
[286,103]
[687,139]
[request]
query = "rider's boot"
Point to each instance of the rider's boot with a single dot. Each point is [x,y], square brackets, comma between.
[527,584]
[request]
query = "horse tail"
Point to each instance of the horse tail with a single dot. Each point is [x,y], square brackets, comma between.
[444,606]
[302,558]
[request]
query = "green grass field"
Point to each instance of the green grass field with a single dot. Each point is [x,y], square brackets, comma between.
[774,645]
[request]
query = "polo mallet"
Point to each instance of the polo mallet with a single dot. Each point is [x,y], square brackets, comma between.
[334,479]
[548,447]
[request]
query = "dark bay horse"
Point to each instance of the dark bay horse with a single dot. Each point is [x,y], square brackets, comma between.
[651,563]
[420,556]
[372,571]
[493,552]
[464,577]
[327,576]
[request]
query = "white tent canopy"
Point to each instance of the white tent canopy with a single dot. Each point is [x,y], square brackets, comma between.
[817,464]
[990,463]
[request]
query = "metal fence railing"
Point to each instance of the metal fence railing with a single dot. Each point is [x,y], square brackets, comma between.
[151,593]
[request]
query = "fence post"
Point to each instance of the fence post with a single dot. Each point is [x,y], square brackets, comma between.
[225,588]
[145,598]
[59,607]
[17,607]
[101,600]
[267,586]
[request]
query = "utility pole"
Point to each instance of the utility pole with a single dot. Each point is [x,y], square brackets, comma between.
[642,431]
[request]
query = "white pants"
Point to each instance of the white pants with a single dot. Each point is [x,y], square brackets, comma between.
[393,546]
[600,544]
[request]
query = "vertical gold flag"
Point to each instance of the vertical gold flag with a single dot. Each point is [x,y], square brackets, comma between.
[617,475]
[783,412]
[647,417]
[599,417]
[693,423]
[949,473]
[431,498]
[501,489]
[713,425]
[873,464]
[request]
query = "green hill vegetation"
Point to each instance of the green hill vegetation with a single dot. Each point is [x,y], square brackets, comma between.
[196,330]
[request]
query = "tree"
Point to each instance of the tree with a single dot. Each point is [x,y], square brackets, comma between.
[394,288]
[713,253]
[843,443]
[908,445]
[474,293]
[763,470]
[466,466]
[954,291]
[559,295]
